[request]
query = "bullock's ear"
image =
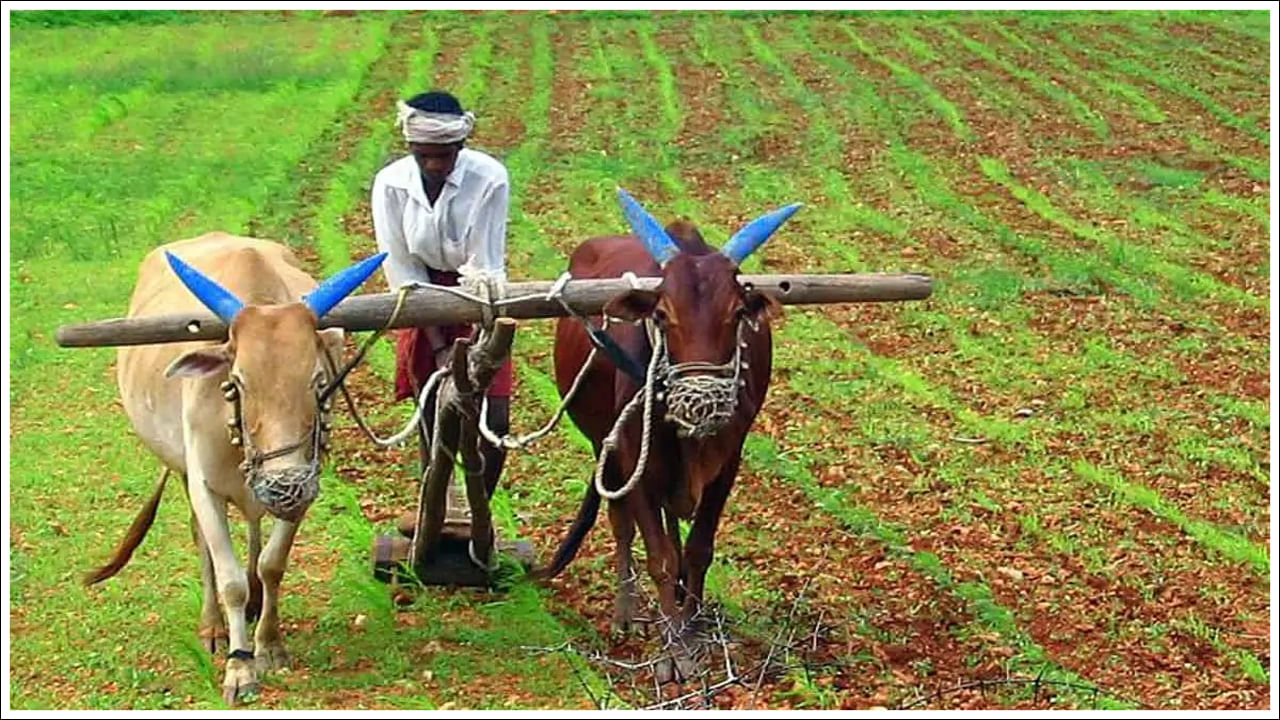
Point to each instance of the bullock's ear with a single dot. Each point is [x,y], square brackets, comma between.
[199,363]
[761,305]
[632,305]
[332,339]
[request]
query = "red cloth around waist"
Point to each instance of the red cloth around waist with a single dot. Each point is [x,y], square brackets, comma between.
[416,357]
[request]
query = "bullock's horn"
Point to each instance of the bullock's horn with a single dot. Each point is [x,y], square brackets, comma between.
[755,233]
[214,296]
[656,240]
[332,291]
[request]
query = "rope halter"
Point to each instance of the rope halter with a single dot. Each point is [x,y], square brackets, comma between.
[286,493]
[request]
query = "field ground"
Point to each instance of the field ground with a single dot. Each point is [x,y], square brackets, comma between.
[1056,468]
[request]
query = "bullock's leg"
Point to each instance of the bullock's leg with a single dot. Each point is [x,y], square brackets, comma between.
[253,609]
[624,534]
[702,537]
[673,531]
[268,642]
[213,628]
[241,679]
[664,568]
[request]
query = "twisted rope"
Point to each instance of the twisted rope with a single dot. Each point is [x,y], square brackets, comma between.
[511,442]
[610,443]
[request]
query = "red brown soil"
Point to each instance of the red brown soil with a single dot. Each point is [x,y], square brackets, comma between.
[914,638]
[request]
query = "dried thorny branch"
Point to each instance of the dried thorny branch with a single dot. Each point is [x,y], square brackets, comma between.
[788,627]
[722,662]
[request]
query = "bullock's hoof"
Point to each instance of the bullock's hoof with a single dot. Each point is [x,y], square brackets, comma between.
[680,663]
[686,664]
[664,671]
[240,686]
[214,639]
[677,667]
[624,621]
[273,657]
[622,628]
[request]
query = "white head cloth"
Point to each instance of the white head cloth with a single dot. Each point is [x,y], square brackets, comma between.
[433,128]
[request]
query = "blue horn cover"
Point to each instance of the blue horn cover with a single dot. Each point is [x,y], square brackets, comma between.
[755,233]
[214,296]
[335,289]
[656,240]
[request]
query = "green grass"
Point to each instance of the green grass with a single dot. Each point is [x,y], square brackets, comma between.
[1229,545]
[989,614]
[861,520]
[1123,62]
[1132,97]
[346,535]
[1187,284]
[157,151]
[912,80]
[1083,114]
[81,18]
[935,192]
[150,164]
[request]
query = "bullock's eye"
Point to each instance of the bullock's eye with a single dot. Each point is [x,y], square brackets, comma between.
[660,316]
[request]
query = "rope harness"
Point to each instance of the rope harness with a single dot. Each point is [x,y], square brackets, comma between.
[700,397]
[289,492]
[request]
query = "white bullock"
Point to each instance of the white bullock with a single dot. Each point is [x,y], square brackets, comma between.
[243,421]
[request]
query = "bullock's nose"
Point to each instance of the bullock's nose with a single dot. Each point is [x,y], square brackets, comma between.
[288,493]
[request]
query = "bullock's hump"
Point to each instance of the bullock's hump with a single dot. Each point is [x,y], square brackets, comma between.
[611,256]
[255,270]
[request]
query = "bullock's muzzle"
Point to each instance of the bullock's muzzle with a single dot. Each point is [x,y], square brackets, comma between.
[700,405]
[286,493]
[702,398]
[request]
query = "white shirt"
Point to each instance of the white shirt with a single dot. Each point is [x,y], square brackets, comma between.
[468,221]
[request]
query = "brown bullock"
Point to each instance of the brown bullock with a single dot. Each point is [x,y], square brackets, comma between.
[709,383]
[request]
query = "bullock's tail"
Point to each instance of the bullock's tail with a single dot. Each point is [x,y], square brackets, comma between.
[132,539]
[569,546]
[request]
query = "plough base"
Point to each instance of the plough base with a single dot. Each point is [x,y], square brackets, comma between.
[450,562]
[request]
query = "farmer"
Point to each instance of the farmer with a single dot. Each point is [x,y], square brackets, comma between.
[435,210]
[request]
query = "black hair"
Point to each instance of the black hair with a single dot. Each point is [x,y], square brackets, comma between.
[436,101]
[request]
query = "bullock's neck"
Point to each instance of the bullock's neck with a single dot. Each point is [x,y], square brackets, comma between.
[701,462]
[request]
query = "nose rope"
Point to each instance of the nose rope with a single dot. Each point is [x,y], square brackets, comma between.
[701,405]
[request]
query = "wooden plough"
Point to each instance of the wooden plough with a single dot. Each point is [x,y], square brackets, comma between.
[452,543]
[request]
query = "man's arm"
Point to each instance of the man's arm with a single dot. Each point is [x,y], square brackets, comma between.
[400,267]
[487,236]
